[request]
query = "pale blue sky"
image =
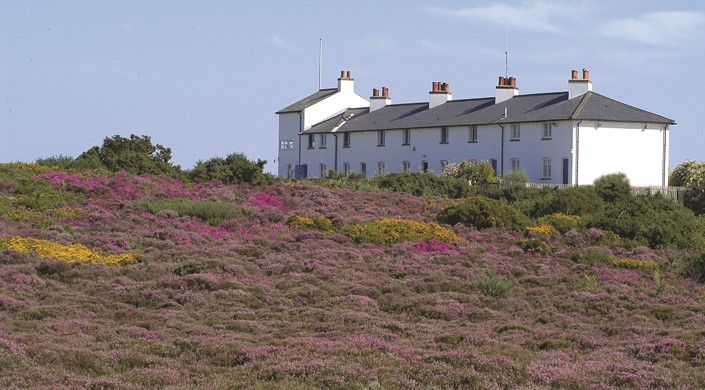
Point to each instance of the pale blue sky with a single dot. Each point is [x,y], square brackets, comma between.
[205,77]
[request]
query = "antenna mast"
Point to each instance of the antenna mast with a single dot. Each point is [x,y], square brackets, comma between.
[506,49]
[320,63]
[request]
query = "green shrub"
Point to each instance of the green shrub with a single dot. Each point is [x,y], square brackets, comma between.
[517,176]
[594,256]
[234,168]
[483,213]
[579,201]
[613,187]
[419,184]
[391,230]
[210,212]
[493,284]
[136,155]
[650,220]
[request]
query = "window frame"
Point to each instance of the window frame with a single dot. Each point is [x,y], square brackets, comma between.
[286,144]
[406,137]
[323,140]
[515,164]
[311,141]
[545,168]
[406,166]
[289,171]
[346,169]
[547,131]
[381,138]
[472,134]
[515,134]
[444,135]
[324,170]
[381,167]
[346,140]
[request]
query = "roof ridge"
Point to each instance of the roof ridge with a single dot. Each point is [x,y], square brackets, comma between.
[579,108]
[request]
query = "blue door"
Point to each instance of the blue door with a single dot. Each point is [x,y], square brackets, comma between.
[565,171]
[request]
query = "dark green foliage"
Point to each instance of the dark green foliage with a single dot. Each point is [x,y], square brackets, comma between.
[60,162]
[651,220]
[517,176]
[210,212]
[419,183]
[483,213]
[135,155]
[570,201]
[613,187]
[235,168]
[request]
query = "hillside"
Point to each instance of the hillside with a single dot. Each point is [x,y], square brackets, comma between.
[127,281]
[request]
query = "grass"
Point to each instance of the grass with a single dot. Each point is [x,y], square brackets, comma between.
[211,212]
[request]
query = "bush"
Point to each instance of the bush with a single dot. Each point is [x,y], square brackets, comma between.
[644,265]
[390,231]
[534,246]
[419,184]
[613,187]
[493,284]
[562,222]
[235,168]
[579,201]
[135,155]
[517,176]
[651,220]
[483,213]
[318,223]
[208,211]
[469,171]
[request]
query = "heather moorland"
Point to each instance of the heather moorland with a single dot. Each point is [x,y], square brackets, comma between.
[119,281]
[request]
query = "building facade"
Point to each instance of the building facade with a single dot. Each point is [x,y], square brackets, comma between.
[570,137]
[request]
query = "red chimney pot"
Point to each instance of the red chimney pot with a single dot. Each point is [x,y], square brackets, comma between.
[342,74]
[375,92]
[349,74]
[385,92]
[513,81]
[573,74]
[586,74]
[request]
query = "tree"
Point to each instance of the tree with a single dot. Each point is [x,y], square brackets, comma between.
[235,168]
[135,155]
[691,174]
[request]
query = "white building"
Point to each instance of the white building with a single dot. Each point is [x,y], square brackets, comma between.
[568,137]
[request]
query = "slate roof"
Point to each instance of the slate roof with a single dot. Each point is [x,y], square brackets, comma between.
[308,100]
[541,107]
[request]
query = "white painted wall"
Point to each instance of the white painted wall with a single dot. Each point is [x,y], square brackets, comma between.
[623,147]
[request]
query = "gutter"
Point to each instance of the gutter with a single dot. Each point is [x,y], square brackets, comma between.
[501,153]
[577,151]
[664,162]
[301,130]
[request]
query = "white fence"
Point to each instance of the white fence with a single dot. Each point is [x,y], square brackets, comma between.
[675,193]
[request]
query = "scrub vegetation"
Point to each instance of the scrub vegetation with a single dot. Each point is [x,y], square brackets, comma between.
[116,280]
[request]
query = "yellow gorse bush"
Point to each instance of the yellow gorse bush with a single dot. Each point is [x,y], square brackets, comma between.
[69,253]
[644,265]
[391,230]
[26,215]
[541,231]
[30,169]
[562,222]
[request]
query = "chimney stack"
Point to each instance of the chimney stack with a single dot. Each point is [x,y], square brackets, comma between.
[377,101]
[346,83]
[506,89]
[578,87]
[439,94]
